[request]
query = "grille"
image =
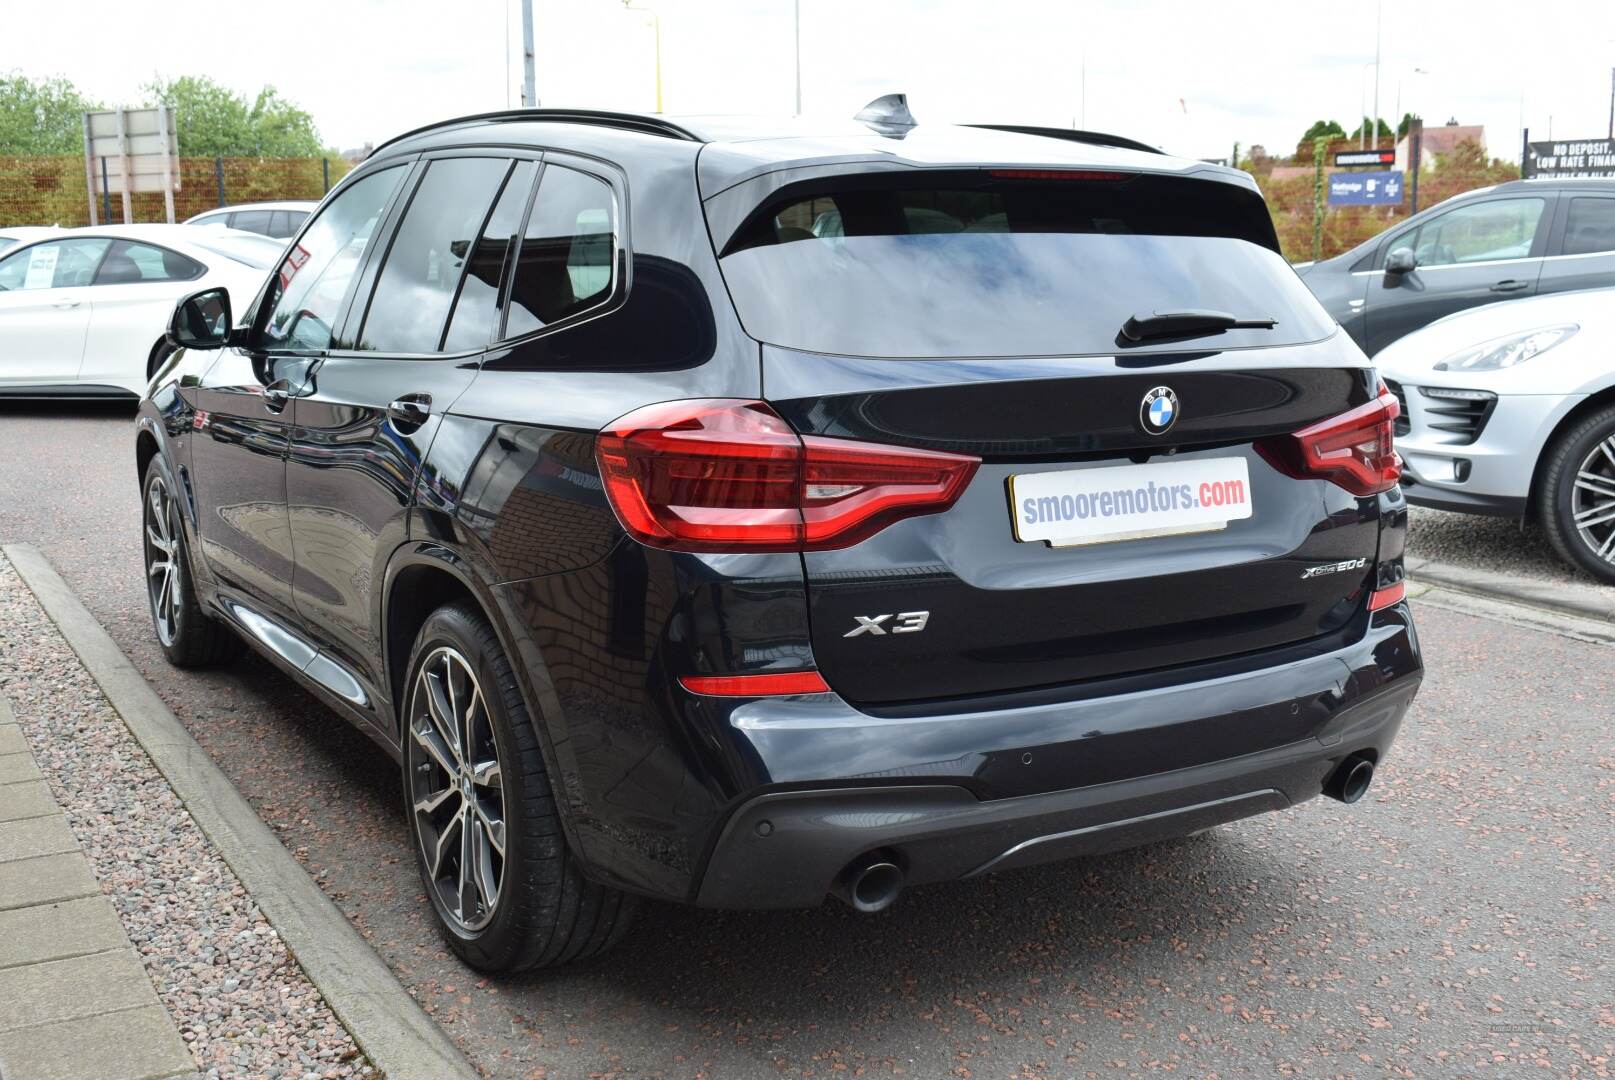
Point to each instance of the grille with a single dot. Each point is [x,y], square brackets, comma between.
[1404,422]
[1460,414]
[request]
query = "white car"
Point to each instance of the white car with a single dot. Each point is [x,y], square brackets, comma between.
[280,220]
[1510,409]
[84,312]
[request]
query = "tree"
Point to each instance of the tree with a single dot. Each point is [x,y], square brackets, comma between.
[1404,125]
[1324,129]
[41,116]
[214,120]
[1374,131]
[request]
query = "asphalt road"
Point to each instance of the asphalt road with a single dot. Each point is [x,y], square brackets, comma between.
[1457,921]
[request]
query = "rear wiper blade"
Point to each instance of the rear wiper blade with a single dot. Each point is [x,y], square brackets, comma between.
[1185,324]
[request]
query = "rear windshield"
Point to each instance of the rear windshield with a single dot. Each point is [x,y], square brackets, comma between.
[1010,263]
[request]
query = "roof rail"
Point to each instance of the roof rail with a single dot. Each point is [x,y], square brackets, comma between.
[1096,138]
[647,125]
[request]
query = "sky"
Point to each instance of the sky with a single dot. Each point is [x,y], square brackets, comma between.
[1191,77]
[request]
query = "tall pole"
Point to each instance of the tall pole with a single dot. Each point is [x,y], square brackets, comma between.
[506,6]
[1379,23]
[656,27]
[798,57]
[1612,103]
[529,90]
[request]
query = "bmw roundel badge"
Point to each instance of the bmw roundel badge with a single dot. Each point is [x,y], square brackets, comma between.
[1159,410]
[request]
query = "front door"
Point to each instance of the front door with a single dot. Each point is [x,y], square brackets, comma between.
[1473,254]
[45,302]
[409,348]
[246,399]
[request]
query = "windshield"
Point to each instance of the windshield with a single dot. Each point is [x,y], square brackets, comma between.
[1011,263]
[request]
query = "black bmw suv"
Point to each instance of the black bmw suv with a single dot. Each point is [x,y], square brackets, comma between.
[744,513]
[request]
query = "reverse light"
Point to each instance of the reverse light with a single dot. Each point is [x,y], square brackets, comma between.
[1505,352]
[763,684]
[726,475]
[1353,450]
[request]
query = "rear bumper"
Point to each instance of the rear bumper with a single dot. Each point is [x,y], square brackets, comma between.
[784,848]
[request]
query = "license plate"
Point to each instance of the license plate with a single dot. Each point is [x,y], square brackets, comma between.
[1129,502]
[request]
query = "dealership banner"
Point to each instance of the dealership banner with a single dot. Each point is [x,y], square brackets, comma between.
[1576,157]
[1365,189]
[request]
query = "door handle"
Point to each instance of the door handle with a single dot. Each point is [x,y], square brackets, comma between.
[411,410]
[277,394]
[1511,285]
[66,305]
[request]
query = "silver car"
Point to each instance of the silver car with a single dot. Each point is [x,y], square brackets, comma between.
[1509,409]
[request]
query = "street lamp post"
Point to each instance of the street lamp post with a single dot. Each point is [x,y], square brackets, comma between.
[656,27]
[798,57]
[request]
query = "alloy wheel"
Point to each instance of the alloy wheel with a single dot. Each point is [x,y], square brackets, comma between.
[164,582]
[456,790]
[1592,500]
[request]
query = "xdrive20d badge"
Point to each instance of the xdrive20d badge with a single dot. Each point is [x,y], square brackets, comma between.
[719,512]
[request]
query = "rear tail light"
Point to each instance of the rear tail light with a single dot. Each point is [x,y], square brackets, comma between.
[1353,450]
[725,475]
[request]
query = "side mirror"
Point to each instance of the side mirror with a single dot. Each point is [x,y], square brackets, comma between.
[201,321]
[1400,261]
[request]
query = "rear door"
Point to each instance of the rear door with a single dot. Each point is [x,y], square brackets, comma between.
[367,416]
[1132,510]
[1583,252]
[1476,253]
[45,305]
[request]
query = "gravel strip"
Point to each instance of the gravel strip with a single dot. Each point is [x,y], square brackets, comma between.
[1498,545]
[238,997]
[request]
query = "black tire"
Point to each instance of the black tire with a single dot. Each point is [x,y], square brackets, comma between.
[544,912]
[189,637]
[1589,445]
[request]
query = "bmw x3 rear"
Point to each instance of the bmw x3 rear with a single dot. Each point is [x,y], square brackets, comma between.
[920,502]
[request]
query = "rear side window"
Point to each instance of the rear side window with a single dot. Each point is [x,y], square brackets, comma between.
[212,219]
[60,264]
[567,261]
[418,282]
[1008,263]
[1590,226]
[129,263]
[476,312]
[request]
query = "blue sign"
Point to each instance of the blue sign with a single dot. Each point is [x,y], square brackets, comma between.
[1365,189]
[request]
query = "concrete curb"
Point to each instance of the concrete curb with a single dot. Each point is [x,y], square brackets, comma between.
[1581,602]
[398,1036]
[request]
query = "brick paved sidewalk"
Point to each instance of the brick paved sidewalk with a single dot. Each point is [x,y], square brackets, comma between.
[74,997]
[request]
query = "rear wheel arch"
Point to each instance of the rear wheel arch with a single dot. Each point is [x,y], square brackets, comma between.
[423,578]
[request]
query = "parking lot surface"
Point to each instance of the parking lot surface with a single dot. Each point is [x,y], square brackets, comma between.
[1456,921]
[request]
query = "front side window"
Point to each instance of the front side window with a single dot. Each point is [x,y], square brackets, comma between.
[568,256]
[132,264]
[253,221]
[305,296]
[1590,226]
[428,256]
[212,219]
[1484,232]
[60,264]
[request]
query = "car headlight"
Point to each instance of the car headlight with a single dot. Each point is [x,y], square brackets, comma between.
[1505,352]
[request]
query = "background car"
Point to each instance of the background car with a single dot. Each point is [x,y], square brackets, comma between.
[83,312]
[280,220]
[1510,409]
[1512,241]
[12,235]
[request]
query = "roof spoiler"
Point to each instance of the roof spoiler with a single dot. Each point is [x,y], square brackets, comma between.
[1093,138]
